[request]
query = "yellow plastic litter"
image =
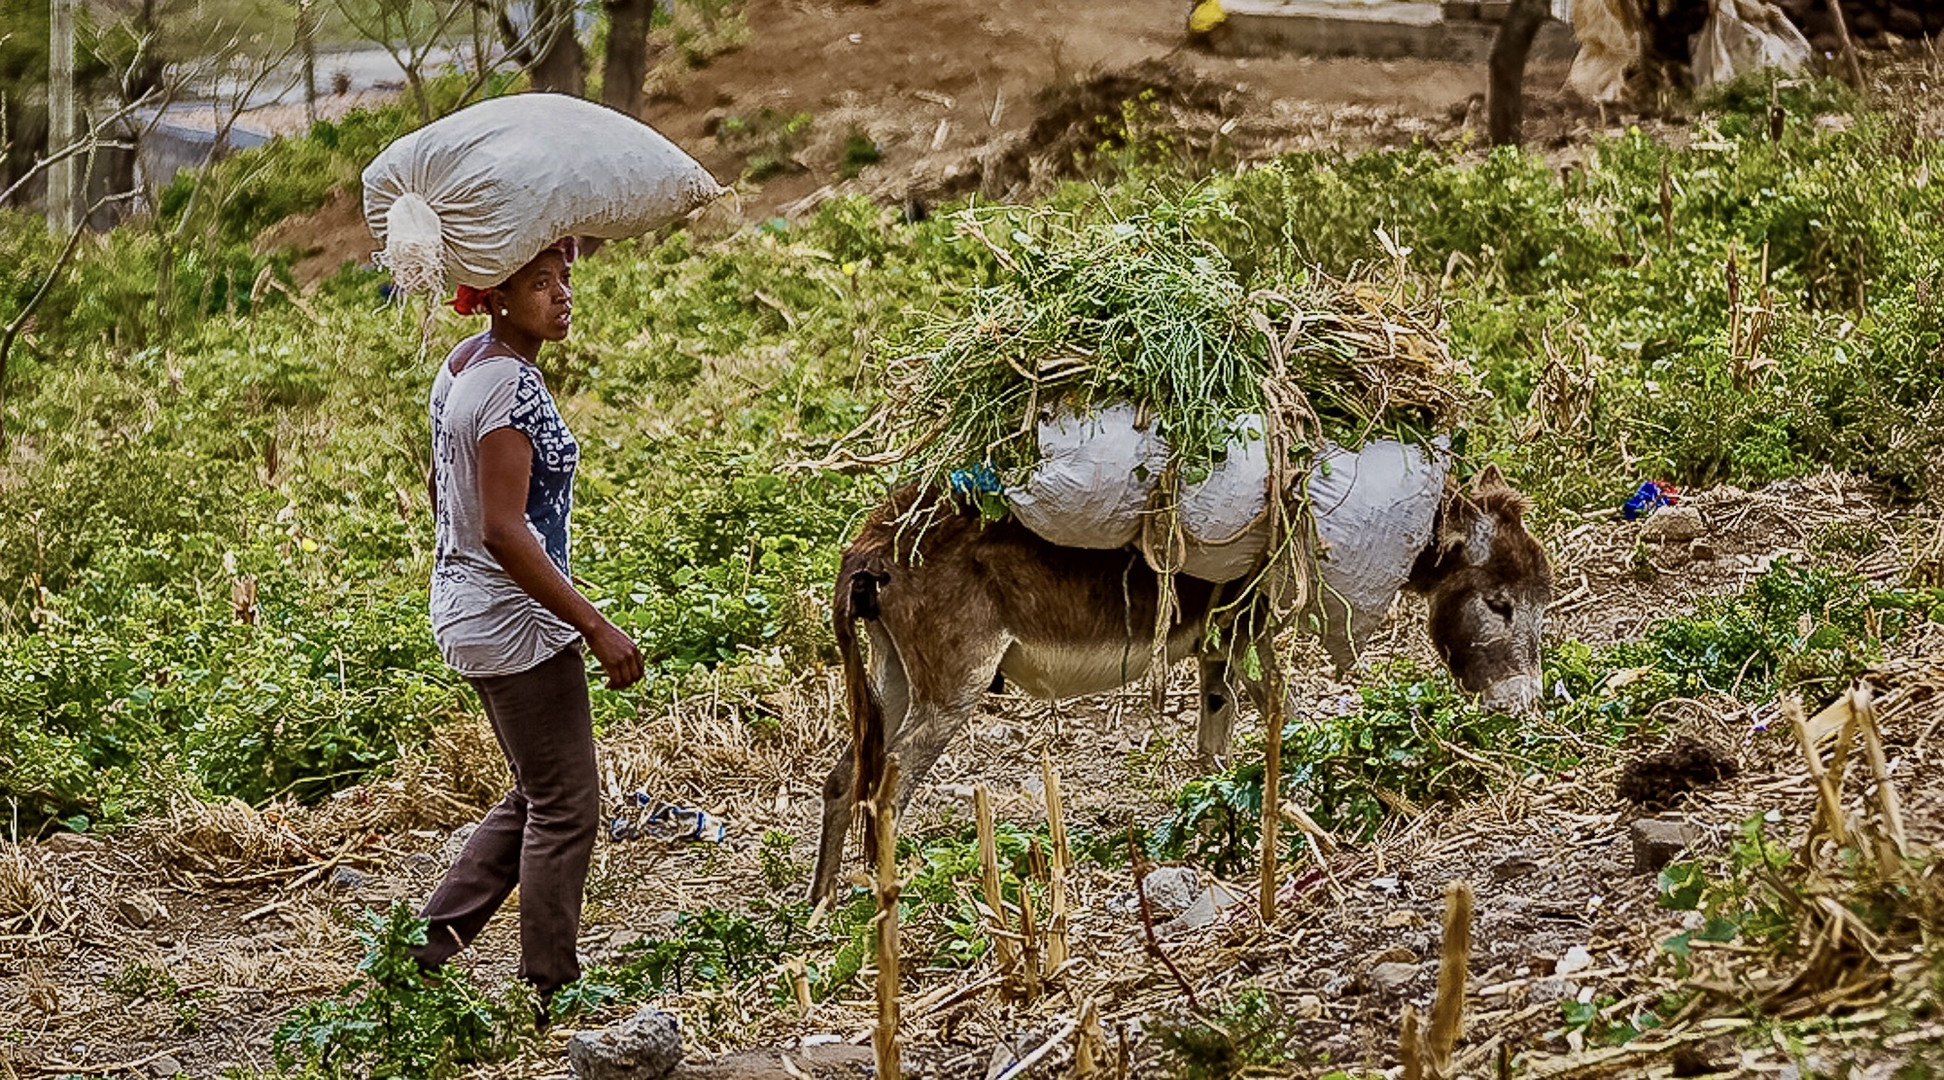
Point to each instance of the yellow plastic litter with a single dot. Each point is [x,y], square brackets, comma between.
[1206,17]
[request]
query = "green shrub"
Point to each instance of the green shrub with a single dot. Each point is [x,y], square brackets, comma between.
[395,1022]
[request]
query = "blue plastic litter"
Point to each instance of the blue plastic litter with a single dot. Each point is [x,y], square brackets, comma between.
[683,823]
[977,480]
[1649,497]
[644,816]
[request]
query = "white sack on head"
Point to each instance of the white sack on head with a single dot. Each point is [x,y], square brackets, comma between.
[1741,36]
[474,196]
[1225,517]
[1374,510]
[1093,479]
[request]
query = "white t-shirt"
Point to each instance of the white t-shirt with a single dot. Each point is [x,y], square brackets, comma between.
[484,623]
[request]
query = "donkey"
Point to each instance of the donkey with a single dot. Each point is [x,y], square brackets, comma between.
[963,605]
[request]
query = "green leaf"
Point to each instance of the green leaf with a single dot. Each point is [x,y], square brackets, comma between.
[1681,886]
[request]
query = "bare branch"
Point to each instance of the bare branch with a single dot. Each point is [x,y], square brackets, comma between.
[26,312]
[519,51]
[86,144]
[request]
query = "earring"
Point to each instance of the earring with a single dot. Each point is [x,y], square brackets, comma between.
[502,313]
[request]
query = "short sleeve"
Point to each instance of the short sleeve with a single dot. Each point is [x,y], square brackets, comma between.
[511,403]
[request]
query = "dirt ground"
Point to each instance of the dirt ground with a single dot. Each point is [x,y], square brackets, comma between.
[247,912]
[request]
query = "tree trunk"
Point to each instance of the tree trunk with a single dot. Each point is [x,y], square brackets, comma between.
[626,67]
[61,130]
[1505,100]
[517,46]
[561,64]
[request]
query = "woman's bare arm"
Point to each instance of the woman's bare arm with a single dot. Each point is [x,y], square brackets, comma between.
[505,469]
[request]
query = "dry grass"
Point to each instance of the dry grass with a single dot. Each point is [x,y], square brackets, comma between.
[27,889]
[223,838]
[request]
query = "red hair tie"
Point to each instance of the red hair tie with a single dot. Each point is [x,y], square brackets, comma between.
[469,301]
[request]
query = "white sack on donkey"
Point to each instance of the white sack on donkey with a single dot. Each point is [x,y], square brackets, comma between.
[473,196]
[1372,508]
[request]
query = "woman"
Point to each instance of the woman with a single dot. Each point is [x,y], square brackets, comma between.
[507,616]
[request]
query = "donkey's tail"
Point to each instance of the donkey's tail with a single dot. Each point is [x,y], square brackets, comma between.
[858,581]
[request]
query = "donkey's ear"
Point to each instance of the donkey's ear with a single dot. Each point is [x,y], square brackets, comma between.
[1489,479]
[1462,537]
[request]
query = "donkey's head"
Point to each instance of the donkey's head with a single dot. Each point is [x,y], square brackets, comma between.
[1487,583]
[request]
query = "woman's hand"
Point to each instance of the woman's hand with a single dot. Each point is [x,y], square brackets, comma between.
[617,654]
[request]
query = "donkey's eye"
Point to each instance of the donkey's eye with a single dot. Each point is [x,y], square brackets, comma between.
[1500,607]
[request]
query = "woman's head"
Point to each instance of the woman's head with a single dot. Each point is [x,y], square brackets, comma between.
[535,305]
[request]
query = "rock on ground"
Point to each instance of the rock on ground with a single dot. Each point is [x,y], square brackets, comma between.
[1392,978]
[1171,888]
[645,1046]
[141,909]
[1657,842]
[454,844]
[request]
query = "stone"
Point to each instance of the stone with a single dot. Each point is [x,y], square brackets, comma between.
[1212,902]
[1658,841]
[1308,1007]
[1674,525]
[645,1046]
[165,1068]
[1392,978]
[1551,988]
[140,910]
[451,847]
[1577,959]
[345,879]
[1398,920]
[1396,954]
[420,864]
[1171,888]
[63,843]
[1513,866]
[1002,1059]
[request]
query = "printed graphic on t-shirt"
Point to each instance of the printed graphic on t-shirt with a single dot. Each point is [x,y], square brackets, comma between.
[550,491]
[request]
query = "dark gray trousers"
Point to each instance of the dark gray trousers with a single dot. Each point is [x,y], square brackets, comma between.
[541,836]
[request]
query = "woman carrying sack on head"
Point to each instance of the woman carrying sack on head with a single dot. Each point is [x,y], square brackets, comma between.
[506,615]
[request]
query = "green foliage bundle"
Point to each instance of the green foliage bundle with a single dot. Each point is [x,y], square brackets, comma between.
[1138,306]
[395,1022]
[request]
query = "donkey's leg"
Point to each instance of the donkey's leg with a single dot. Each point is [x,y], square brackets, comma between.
[1213,734]
[893,690]
[836,825]
[942,701]
[1223,672]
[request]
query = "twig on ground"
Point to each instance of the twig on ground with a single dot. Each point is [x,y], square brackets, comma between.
[1139,866]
